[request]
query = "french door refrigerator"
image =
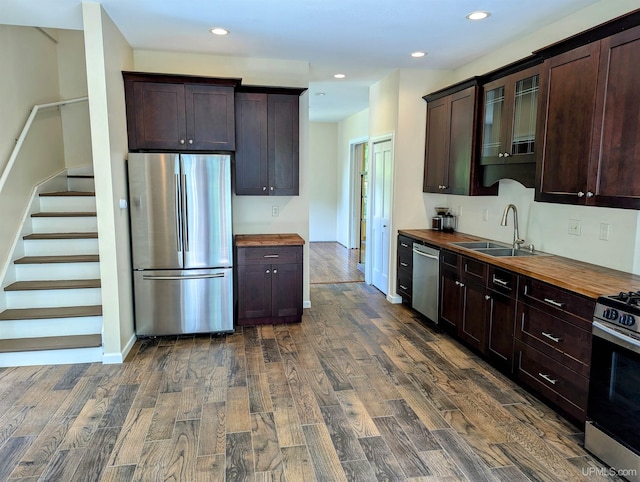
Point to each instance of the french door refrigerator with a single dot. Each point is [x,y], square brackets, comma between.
[180,208]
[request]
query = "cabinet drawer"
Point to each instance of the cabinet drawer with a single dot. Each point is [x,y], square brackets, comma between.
[447,258]
[404,243]
[405,284]
[553,299]
[558,339]
[405,259]
[503,281]
[473,270]
[269,255]
[555,381]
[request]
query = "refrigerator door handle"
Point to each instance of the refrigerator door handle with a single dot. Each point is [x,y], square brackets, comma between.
[179,213]
[175,278]
[185,214]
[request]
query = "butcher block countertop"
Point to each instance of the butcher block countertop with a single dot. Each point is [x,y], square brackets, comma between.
[286,239]
[586,279]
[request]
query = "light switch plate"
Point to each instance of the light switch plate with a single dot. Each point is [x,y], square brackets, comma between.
[575,227]
[604,231]
[275,210]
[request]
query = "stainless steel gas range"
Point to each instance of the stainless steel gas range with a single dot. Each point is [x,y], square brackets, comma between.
[612,431]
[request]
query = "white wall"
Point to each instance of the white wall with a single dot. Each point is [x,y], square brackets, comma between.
[29,60]
[107,54]
[323,169]
[252,214]
[353,129]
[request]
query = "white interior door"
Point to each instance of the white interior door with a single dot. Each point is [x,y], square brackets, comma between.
[381,184]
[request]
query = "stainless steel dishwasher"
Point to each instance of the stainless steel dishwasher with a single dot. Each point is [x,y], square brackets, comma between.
[426,274]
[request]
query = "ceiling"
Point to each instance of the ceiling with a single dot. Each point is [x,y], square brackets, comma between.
[363,39]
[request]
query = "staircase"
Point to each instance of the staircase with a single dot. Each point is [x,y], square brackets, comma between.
[54,306]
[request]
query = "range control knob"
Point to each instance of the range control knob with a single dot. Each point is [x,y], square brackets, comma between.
[627,320]
[610,314]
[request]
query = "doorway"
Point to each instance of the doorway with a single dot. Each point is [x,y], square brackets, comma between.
[359,195]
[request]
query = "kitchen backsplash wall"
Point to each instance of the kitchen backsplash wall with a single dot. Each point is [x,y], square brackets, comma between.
[571,231]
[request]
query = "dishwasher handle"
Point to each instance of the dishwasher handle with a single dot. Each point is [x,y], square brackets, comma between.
[426,255]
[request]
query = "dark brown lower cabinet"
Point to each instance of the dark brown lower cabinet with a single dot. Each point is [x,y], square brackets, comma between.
[269,284]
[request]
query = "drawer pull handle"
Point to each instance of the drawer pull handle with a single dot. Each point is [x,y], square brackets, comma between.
[551,337]
[404,245]
[459,284]
[500,281]
[270,256]
[403,264]
[554,303]
[404,287]
[547,378]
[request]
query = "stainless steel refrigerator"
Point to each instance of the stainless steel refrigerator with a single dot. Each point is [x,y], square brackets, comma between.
[180,208]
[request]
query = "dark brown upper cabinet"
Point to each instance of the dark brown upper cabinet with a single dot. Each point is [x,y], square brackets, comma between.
[590,123]
[267,135]
[508,120]
[176,113]
[449,159]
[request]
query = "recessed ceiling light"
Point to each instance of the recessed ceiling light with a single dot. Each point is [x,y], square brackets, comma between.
[478,15]
[219,31]
[339,76]
[417,55]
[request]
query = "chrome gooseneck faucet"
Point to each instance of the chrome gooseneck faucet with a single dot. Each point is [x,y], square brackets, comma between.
[516,236]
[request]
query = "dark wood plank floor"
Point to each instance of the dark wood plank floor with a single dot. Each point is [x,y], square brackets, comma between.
[360,391]
[333,263]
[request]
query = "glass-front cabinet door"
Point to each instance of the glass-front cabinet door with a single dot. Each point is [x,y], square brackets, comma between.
[509,118]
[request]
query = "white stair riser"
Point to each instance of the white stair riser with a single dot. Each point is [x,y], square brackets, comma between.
[60,247]
[51,357]
[80,184]
[67,203]
[53,271]
[83,224]
[40,328]
[53,298]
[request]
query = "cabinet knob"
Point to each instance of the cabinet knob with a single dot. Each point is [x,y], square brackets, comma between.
[275,271]
[271,188]
[589,194]
[580,194]
[264,188]
[190,141]
[487,297]
[500,154]
[268,271]
[181,141]
[506,154]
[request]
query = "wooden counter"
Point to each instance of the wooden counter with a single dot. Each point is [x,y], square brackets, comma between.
[587,279]
[286,239]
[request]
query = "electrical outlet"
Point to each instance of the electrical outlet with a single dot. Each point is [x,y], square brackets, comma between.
[275,210]
[604,231]
[485,215]
[575,227]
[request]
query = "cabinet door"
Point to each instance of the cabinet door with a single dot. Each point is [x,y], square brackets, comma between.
[474,320]
[450,297]
[502,312]
[286,290]
[436,153]
[251,166]
[210,117]
[283,144]
[568,86]
[461,141]
[254,291]
[159,111]
[616,138]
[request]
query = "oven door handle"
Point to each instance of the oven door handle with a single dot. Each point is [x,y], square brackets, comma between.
[615,337]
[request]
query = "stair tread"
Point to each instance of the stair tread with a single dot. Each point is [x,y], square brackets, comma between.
[50,343]
[53,285]
[58,312]
[66,214]
[67,193]
[88,235]
[75,258]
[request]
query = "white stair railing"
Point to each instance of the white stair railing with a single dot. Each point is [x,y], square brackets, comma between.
[25,131]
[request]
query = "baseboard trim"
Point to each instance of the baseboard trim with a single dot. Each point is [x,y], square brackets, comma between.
[117,358]
[306,304]
[394,299]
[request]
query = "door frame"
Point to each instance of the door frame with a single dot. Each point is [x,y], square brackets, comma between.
[368,267]
[355,193]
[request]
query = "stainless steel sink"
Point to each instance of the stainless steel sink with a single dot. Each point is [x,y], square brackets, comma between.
[501,252]
[475,245]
